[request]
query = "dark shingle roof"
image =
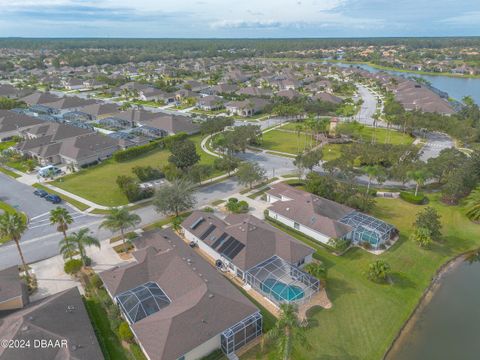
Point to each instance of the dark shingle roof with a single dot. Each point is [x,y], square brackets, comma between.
[203,302]
[261,240]
[59,317]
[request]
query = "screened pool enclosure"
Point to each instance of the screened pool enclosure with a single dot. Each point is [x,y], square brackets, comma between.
[241,333]
[368,229]
[142,301]
[281,282]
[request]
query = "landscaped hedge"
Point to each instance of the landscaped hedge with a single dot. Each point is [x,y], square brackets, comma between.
[412,199]
[136,151]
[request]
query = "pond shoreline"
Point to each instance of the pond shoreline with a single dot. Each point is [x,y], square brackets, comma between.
[424,300]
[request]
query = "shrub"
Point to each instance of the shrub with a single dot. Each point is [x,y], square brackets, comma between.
[87,261]
[124,332]
[208,209]
[73,266]
[235,206]
[339,244]
[95,281]
[147,173]
[409,197]
[131,235]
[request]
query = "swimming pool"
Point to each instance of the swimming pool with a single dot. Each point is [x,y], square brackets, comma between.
[281,291]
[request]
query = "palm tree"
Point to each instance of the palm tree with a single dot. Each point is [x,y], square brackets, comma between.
[317,270]
[78,241]
[120,219]
[13,225]
[378,270]
[419,176]
[473,205]
[287,332]
[298,130]
[373,172]
[62,218]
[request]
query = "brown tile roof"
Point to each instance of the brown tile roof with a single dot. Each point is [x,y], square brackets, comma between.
[172,124]
[203,303]
[312,211]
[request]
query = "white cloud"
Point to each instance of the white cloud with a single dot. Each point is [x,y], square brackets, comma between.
[467,18]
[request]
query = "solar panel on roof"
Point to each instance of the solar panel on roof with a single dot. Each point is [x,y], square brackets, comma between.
[197,222]
[219,241]
[226,244]
[234,251]
[208,232]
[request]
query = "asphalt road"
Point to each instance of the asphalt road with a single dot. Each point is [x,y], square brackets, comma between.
[41,240]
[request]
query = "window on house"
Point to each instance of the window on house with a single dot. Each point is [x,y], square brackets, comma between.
[296,225]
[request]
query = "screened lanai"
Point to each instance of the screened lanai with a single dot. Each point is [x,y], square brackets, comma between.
[241,333]
[142,301]
[368,229]
[281,282]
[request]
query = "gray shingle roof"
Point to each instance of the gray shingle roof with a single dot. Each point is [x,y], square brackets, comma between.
[261,240]
[203,302]
[59,317]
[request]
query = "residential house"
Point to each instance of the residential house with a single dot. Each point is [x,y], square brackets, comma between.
[254,91]
[210,102]
[224,89]
[327,97]
[13,291]
[60,322]
[261,255]
[248,107]
[171,124]
[289,94]
[177,305]
[98,111]
[14,124]
[73,84]
[54,143]
[322,219]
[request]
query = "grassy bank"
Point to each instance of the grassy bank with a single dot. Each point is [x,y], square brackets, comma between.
[366,316]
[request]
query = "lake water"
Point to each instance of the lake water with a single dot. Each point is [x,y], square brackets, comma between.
[448,328]
[456,87]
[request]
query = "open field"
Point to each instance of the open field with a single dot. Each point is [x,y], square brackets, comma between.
[98,183]
[285,141]
[382,136]
[366,316]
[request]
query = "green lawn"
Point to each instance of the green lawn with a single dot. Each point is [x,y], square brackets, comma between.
[9,173]
[285,141]
[331,151]
[6,144]
[383,136]
[109,343]
[366,316]
[98,183]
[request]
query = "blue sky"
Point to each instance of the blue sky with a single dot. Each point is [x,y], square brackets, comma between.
[240,18]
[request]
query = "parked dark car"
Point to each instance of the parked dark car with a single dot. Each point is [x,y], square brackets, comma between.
[40,192]
[54,199]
